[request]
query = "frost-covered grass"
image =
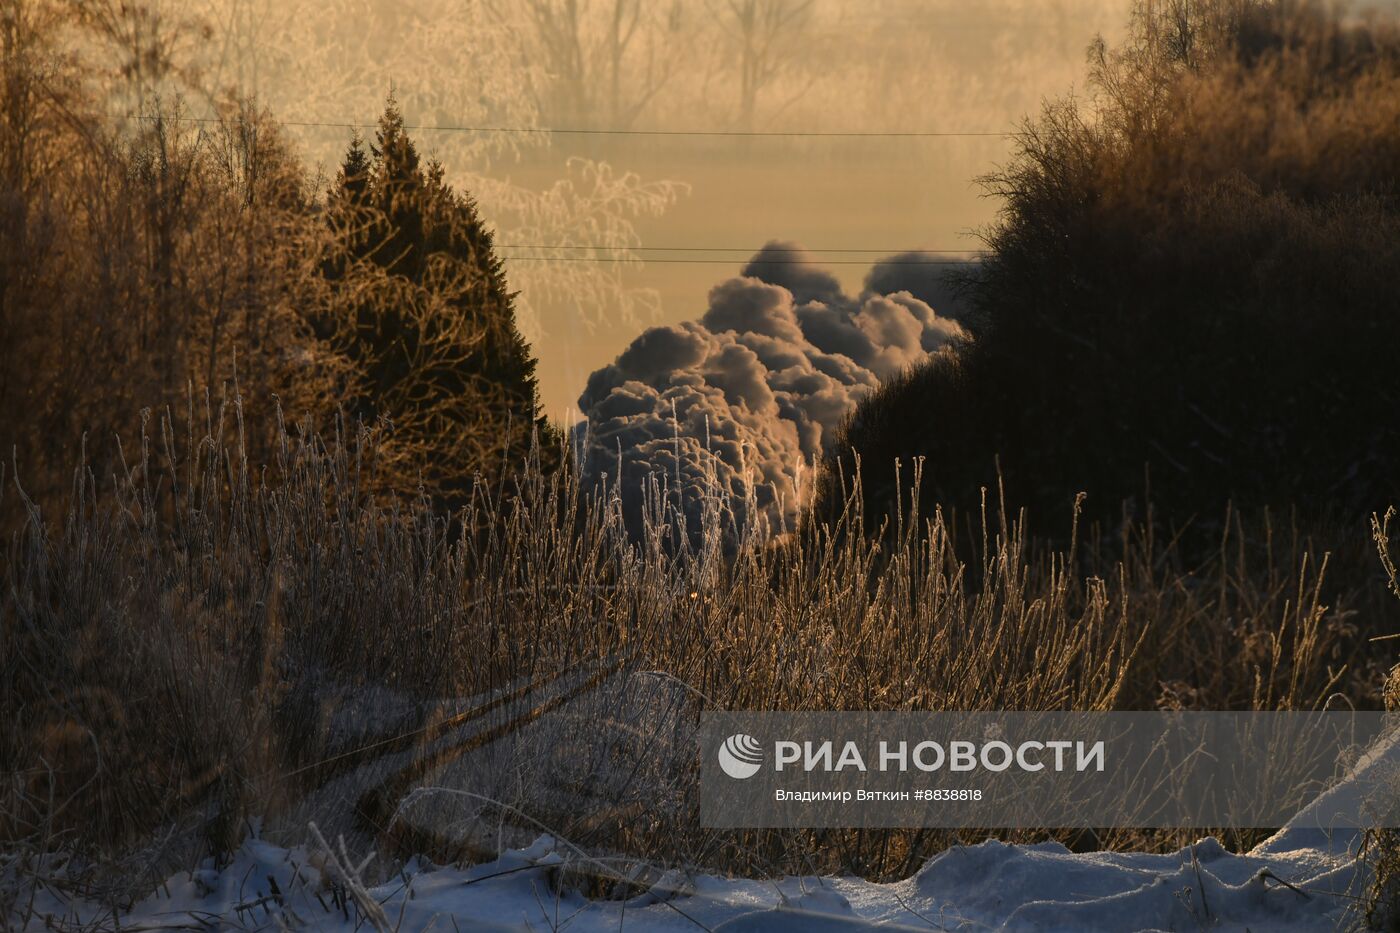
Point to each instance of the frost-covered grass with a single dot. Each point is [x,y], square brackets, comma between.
[184,643]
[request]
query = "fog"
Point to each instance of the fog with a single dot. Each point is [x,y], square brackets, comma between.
[825,66]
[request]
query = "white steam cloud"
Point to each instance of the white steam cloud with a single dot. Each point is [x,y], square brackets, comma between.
[737,406]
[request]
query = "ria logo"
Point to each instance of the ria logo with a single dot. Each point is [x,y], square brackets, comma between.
[741,756]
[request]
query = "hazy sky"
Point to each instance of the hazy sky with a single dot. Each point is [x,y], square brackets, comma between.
[848,194]
[837,66]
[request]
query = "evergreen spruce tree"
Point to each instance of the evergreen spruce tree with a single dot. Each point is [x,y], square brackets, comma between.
[352,186]
[398,195]
[421,310]
[347,205]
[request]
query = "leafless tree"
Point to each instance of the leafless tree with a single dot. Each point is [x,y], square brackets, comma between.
[598,59]
[763,32]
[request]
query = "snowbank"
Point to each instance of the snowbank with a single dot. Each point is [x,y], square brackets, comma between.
[1304,878]
[992,886]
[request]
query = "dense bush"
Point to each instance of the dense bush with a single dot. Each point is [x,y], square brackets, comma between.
[1191,292]
[146,249]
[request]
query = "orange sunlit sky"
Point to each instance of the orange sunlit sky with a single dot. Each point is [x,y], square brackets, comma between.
[464,70]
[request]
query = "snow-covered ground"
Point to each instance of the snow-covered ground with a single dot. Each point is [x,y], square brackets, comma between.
[991,886]
[1304,878]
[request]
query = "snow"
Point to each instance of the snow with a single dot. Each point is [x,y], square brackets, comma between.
[991,886]
[1304,878]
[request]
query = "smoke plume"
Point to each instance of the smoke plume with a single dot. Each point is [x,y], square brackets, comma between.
[735,408]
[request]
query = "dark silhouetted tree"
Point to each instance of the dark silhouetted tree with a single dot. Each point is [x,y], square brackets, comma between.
[420,306]
[1190,292]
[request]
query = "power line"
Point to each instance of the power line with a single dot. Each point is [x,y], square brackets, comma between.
[584,131]
[730,262]
[735,249]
